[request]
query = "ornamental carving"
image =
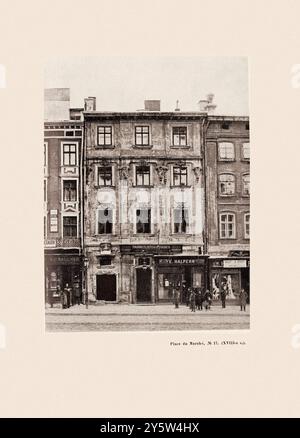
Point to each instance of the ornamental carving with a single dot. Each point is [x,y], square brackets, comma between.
[162,173]
[124,172]
[197,172]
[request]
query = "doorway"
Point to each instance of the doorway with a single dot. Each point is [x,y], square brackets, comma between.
[143,285]
[106,287]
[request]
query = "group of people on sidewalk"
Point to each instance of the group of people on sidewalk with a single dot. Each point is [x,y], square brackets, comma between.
[70,297]
[197,298]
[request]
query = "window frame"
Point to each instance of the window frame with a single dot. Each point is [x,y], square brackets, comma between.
[103,208]
[187,225]
[174,167]
[180,144]
[243,150]
[67,180]
[63,226]
[136,134]
[64,144]
[220,158]
[227,237]
[247,223]
[243,184]
[143,175]
[220,182]
[110,134]
[99,168]
[143,223]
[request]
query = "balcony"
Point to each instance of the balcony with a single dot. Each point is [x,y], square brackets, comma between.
[62,242]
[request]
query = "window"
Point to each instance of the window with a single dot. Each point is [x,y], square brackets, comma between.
[225,125]
[142,136]
[105,221]
[179,176]
[105,260]
[105,176]
[226,151]
[247,225]
[45,154]
[226,184]
[246,185]
[70,191]
[227,226]
[69,155]
[246,151]
[142,175]
[70,226]
[104,136]
[181,220]
[247,126]
[45,190]
[180,136]
[143,220]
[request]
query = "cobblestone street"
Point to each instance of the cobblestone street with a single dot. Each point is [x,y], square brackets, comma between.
[111,317]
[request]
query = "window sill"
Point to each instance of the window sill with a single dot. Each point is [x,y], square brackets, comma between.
[227,196]
[98,146]
[182,186]
[173,146]
[227,238]
[104,187]
[182,234]
[143,186]
[146,146]
[246,160]
[144,235]
[226,160]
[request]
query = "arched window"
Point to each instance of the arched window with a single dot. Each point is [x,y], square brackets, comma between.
[246,185]
[227,225]
[226,184]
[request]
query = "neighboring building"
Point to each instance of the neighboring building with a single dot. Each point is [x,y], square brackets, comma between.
[62,220]
[143,203]
[227,165]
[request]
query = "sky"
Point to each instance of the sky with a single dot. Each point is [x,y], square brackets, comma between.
[123,83]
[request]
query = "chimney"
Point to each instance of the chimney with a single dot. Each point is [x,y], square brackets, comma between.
[90,104]
[177,106]
[152,105]
[207,105]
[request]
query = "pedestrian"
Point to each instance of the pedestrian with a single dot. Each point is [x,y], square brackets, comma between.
[243,299]
[176,297]
[187,296]
[68,292]
[64,299]
[77,295]
[223,297]
[207,299]
[198,297]
[192,300]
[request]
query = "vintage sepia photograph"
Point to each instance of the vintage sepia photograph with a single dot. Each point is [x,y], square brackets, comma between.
[146,194]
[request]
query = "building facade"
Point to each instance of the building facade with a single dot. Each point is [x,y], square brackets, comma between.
[227,170]
[62,206]
[143,204]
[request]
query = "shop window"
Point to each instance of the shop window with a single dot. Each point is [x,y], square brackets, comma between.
[181,220]
[180,136]
[69,155]
[105,176]
[180,176]
[142,136]
[230,283]
[247,226]
[70,190]
[246,185]
[226,151]
[226,184]
[143,221]
[104,136]
[105,260]
[227,226]
[142,175]
[246,151]
[70,226]
[105,221]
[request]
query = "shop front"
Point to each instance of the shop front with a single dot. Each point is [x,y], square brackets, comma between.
[178,271]
[62,269]
[231,275]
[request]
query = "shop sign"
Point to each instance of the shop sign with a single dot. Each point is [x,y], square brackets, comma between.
[63,260]
[235,263]
[180,261]
[150,249]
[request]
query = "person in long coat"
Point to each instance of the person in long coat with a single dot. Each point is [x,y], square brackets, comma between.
[176,297]
[198,297]
[207,298]
[193,300]
[243,299]
[64,299]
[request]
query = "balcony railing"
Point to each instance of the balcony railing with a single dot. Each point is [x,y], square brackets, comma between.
[62,242]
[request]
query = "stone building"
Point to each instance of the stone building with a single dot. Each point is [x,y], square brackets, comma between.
[62,200]
[143,203]
[227,170]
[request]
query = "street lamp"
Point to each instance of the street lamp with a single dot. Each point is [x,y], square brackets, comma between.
[86,265]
